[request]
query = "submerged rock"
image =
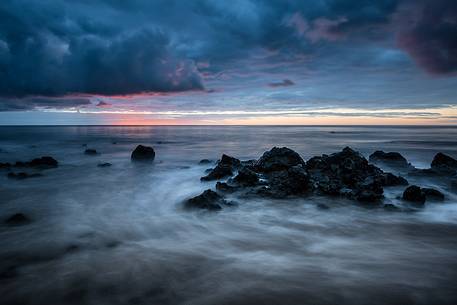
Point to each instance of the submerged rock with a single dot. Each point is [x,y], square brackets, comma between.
[419,195]
[390,158]
[278,159]
[208,200]
[40,163]
[17,219]
[90,152]
[143,153]
[5,165]
[205,161]
[23,175]
[44,162]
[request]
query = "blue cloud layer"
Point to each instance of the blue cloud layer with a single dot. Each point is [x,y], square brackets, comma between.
[113,47]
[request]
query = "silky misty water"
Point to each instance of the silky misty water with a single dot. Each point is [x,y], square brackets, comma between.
[119,235]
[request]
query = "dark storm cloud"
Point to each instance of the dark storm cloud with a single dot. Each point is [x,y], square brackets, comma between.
[23,104]
[114,47]
[432,39]
[47,48]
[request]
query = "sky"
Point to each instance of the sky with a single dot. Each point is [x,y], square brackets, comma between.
[310,62]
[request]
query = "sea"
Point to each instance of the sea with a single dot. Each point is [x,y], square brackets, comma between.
[119,234]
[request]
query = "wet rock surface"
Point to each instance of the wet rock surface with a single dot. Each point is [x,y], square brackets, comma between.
[348,174]
[225,168]
[444,163]
[390,158]
[419,195]
[278,159]
[143,153]
[208,200]
[282,173]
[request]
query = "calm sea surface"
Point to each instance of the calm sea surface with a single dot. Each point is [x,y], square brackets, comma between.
[118,235]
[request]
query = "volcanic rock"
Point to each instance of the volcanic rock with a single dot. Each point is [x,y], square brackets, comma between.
[224,168]
[389,158]
[278,159]
[143,153]
[208,200]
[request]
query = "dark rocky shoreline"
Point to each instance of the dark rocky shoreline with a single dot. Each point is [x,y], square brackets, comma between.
[281,173]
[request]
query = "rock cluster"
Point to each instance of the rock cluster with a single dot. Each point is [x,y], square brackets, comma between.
[281,173]
[41,163]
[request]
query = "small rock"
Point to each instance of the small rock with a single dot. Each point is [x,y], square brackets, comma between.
[106,164]
[414,194]
[17,220]
[44,162]
[205,161]
[390,158]
[432,194]
[143,153]
[420,195]
[208,200]
[5,165]
[90,152]
[23,175]
[444,162]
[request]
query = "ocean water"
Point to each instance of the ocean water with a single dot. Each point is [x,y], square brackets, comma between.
[119,235]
